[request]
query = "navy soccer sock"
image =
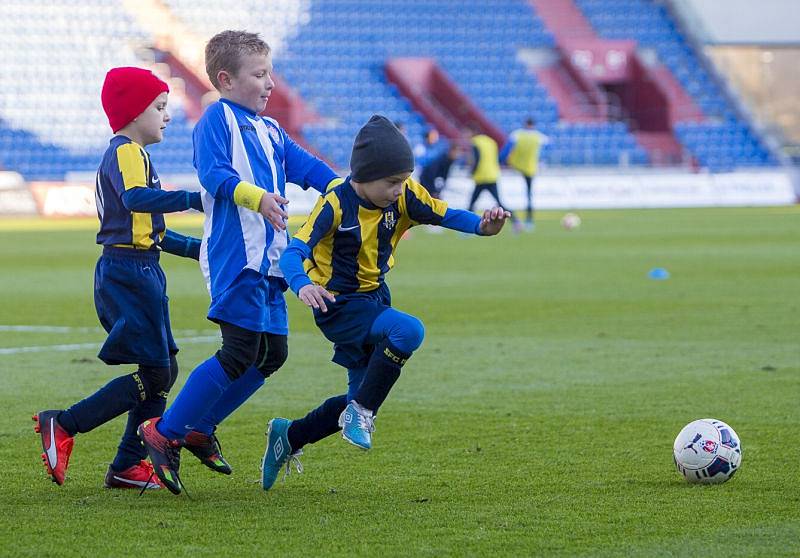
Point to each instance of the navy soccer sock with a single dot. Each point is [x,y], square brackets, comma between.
[318,424]
[117,396]
[383,371]
[355,376]
[130,450]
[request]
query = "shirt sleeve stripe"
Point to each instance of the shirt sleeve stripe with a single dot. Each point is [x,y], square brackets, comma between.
[132,166]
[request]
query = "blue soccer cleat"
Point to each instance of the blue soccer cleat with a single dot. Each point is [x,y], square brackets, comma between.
[357,425]
[278,453]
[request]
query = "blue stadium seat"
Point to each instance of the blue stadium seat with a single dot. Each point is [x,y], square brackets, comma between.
[649,23]
[333,52]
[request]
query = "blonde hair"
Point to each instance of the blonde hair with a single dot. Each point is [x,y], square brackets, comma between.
[225,51]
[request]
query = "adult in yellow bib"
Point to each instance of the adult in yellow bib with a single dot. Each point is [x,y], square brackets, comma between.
[486,171]
[522,154]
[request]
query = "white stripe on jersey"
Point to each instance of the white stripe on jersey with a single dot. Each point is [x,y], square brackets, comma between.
[208,211]
[253,224]
[280,239]
[98,197]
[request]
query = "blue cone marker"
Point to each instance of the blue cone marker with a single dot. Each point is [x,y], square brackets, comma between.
[658,273]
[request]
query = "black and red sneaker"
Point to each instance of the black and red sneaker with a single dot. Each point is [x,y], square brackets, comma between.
[165,454]
[208,450]
[141,476]
[56,443]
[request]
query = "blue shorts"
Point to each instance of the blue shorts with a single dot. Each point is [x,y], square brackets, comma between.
[130,295]
[348,321]
[253,301]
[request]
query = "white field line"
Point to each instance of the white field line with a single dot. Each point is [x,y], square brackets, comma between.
[49,329]
[71,329]
[83,346]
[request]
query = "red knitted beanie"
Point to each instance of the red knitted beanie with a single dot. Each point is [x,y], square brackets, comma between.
[127,92]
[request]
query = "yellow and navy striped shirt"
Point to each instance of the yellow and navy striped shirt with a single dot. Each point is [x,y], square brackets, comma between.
[353,242]
[126,165]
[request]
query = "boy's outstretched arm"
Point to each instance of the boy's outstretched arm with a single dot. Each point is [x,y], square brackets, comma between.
[132,184]
[291,263]
[493,220]
[422,208]
[305,169]
[489,224]
[180,245]
[150,200]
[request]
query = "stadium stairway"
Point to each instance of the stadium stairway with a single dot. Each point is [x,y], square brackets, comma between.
[701,116]
[434,95]
[591,74]
[346,81]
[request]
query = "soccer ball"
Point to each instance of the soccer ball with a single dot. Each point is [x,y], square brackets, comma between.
[571,221]
[707,451]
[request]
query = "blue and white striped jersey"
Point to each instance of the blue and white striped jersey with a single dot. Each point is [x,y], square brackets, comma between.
[232,145]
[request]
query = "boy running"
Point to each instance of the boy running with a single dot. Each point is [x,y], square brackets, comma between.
[129,286]
[243,161]
[348,245]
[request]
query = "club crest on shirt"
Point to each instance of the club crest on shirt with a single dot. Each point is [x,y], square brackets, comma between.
[274,135]
[389,220]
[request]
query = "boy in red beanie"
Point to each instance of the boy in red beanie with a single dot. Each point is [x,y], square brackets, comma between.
[129,285]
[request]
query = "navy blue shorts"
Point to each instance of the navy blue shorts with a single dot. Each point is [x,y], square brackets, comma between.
[253,301]
[130,295]
[348,321]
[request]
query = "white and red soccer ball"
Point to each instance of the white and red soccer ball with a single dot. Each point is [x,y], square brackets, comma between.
[570,221]
[707,451]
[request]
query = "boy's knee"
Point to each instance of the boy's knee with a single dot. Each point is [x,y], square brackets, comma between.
[240,348]
[235,361]
[412,333]
[277,351]
[156,380]
[404,331]
[173,372]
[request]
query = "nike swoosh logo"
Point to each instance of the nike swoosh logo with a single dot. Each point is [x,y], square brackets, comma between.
[341,228]
[156,180]
[134,483]
[52,454]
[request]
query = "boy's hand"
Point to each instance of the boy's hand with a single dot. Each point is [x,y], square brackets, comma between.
[314,296]
[493,220]
[270,208]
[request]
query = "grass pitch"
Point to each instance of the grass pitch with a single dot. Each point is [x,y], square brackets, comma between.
[537,418]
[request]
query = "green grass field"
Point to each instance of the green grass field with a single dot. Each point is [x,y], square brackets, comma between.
[537,418]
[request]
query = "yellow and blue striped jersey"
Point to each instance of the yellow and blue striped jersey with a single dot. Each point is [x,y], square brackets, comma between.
[353,242]
[126,165]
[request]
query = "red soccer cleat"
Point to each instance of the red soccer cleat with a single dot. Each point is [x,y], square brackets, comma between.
[140,476]
[165,454]
[56,443]
[208,450]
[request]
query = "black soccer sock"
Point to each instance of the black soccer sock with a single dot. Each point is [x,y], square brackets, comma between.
[383,371]
[318,424]
[130,450]
[529,189]
[116,397]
